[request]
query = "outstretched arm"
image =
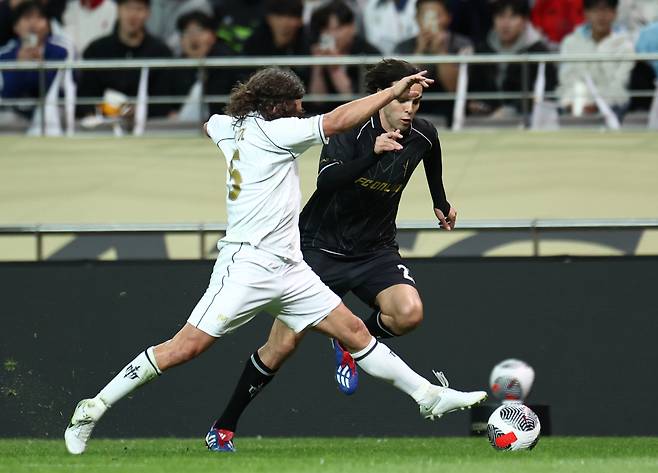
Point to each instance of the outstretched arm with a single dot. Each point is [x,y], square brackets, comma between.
[353,113]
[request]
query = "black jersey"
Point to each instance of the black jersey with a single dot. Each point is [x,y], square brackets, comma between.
[354,208]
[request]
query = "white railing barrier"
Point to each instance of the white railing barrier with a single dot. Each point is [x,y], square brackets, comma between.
[459,112]
[293,61]
[611,119]
[535,228]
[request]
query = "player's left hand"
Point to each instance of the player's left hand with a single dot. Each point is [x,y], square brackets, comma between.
[388,142]
[403,86]
[447,222]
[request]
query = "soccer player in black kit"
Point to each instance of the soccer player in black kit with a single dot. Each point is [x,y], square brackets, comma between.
[348,235]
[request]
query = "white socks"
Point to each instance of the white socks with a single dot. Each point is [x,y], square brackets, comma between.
[376,359]
[137,373]
[379,361]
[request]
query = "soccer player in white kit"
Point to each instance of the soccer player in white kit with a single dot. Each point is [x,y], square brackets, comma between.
[260,266]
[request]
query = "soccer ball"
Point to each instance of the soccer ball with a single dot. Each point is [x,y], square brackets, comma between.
[511,380]
[513,427]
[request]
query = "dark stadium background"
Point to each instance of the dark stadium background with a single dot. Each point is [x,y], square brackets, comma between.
[586,325]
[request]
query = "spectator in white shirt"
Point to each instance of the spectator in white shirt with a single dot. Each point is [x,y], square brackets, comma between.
[634,15]
[611,79]
[389,22]
[87,20]
[165,14]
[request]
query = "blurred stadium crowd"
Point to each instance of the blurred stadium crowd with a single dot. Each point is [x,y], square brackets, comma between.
[136,29]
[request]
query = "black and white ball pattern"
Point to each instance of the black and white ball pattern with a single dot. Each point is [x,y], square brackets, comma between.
[513,427]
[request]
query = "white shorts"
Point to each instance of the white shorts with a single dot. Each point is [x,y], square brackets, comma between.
[247,280]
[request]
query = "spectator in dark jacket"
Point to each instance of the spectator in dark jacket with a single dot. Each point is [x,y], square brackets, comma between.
[645,73]
[281,34]
[333,33]
[198,40]
[512,34]
[130,40]
[33,43]
[237,21]
[435,37]
[471,18]
[6,29]
[53,10]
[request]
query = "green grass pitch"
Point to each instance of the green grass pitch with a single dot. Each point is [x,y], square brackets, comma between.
[406,455]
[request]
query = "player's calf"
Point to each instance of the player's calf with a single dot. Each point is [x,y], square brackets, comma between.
[186,345]
[281,343]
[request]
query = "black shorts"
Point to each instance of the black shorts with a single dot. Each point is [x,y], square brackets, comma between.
[366,276]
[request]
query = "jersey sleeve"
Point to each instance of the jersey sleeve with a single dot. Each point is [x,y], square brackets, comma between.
[340,149]
[340,163]
[219,128]
[295,134]
[434,174]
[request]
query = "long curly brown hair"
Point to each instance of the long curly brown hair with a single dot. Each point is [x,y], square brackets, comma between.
[271,92]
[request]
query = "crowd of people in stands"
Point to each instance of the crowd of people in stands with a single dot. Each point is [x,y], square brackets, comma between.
[137,29]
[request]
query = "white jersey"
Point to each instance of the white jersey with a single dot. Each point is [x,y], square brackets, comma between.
[263,189]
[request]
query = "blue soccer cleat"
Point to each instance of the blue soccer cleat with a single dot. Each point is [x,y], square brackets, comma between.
[220,440]
[347,376]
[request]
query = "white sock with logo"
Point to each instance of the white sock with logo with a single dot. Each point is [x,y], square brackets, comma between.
[135,374]
[379,361]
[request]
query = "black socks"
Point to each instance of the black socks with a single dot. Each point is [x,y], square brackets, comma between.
[377,328]
[254,378]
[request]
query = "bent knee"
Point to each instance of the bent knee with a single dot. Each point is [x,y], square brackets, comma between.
[359,328]
[357,335]
[409,316]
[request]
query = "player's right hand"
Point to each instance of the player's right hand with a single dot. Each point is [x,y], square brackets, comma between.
[447,222]
[387,142]
[403,86]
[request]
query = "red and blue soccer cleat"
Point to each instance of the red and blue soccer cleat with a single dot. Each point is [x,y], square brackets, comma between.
[220,440]
[347,376]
